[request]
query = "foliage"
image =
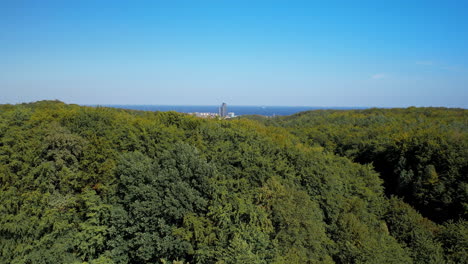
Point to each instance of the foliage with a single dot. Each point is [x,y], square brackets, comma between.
[100,185]
[420,153]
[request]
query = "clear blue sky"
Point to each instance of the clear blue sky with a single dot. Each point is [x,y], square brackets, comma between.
[307,53]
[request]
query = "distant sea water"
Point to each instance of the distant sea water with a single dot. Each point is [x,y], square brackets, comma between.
[238,110]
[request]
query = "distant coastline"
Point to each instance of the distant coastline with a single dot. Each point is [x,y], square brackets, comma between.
[238,110]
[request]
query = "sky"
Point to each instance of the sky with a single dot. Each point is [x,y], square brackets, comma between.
[286,53]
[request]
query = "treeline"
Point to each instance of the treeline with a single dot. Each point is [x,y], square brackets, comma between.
[420,153]
[100,185]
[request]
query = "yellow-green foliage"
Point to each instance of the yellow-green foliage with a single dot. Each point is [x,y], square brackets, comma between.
[100,185]
[420,153]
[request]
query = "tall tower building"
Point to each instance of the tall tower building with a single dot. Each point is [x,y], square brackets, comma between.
[223,110]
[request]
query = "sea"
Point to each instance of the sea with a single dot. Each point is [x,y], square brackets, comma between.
[237,110]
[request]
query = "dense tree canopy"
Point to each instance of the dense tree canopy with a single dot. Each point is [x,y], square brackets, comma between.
[420,153]
[100,185]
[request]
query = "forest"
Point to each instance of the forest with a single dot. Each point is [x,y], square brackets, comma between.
[102,185]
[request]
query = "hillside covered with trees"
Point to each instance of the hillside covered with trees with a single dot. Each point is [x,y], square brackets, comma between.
[100,185]
[420,153]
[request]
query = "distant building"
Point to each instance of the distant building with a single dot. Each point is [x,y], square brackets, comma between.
[223,110]
[204,114]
